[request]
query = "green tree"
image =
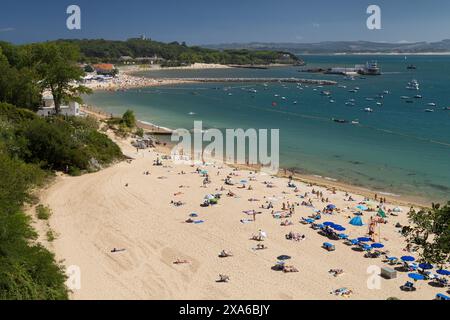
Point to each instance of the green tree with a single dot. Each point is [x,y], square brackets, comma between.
[56,65]
[431,233]
[129,119]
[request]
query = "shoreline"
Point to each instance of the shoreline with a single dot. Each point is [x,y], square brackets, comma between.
[326,182]
[123,207]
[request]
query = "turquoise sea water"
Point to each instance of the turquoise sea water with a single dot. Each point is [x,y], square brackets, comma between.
[399,148]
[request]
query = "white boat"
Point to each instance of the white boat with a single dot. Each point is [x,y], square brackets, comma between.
[368,110]
[429,110]
[432,104]
[413,85]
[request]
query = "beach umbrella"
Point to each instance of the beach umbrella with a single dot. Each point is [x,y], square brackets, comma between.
[243,181]
[328,224]
[377,245]
[343,236]
[363,239]
[193,214]
[416,276]
[366,247]
[381,213]
[283,257]
[331,206]
[362,207]
[357,221]
[203,171]
[338,227]
[209,197]
[407,258]
[397,209]
[443,272]
[392,258]
[425,266]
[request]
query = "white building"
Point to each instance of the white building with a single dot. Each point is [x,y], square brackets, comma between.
[48,108]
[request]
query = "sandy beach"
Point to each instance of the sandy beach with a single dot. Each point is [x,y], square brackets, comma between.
[126,79]
[122,207]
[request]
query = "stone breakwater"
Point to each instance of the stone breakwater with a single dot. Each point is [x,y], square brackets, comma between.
[284,80]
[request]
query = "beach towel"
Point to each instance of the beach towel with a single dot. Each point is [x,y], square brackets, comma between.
[198,221]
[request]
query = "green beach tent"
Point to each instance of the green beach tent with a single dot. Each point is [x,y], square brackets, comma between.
[381,213]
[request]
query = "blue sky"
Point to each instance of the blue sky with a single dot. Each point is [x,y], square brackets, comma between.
[213,21]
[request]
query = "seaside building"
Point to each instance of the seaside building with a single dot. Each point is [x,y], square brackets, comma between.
[105,69]
[48,108]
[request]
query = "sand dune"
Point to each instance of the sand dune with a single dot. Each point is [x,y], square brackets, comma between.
[97,212]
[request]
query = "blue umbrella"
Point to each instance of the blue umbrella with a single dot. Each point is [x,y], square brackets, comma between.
[328,224]
[338,227]
[361,207]
[425,266]
[366,247]
[443,272]
[363,239]
[416,276]
[407,258]
[193,214]
[377,245]
[283,257]
[343,236]
[331,206]
[392,258]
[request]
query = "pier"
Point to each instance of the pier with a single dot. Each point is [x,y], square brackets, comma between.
[260,80]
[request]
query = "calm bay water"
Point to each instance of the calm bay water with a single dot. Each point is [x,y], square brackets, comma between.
[399,148]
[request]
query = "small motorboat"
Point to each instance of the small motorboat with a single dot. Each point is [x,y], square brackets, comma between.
[418,96]
[432,104]
[340,120]
[429,110]
[411,67]
[356,121]
[404,97]
[368,109]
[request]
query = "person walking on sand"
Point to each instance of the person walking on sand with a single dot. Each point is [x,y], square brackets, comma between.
[254,215]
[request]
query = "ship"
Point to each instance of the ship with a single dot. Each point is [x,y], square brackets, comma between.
[371,69]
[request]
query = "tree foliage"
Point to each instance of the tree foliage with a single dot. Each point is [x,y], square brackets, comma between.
[431,233]
[173,53]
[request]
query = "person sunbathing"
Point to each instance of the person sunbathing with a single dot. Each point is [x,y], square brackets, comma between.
[261,246]
[336,272]
[286,223]
[181,261]
[288,269]
[114,250]
[225,254]
[223,278]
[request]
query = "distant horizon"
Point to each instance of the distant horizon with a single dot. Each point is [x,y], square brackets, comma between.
[201,22]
